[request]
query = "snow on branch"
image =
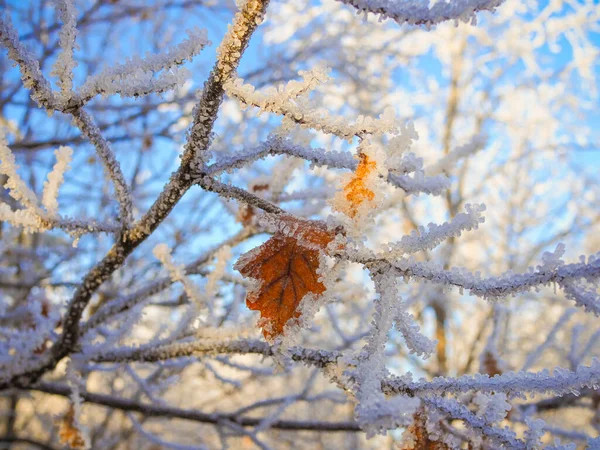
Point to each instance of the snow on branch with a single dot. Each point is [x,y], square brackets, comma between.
[32,76]
[585,297]
[298,112]
[55,179]
[17,188]
[418,12]
[90,130]
[509,283]
[502,436]
[515,385]
[448,162]
[277,145]
[374,412]
[427,239]
[65,63]
[138,76]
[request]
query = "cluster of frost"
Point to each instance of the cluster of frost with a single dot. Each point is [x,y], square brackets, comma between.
[55,179]
[491,407]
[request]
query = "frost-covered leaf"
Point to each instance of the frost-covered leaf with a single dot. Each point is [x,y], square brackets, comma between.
[357,190]
[285,270]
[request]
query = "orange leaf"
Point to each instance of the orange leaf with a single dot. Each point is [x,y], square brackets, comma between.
[356,191]
[285,268]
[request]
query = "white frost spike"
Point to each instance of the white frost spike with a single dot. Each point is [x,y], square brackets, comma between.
[65,63]
[55,179]
[16,186]
[436,234]
[374,412]
[137,76]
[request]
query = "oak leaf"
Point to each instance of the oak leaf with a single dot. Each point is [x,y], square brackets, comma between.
[357,190]
[285,270]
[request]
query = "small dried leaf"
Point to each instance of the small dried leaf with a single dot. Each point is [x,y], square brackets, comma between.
[356,191]
[246,212]
[285,269]
[68,433]
[490,364]
[418,437]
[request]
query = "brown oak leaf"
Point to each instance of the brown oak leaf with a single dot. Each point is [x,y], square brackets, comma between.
[285,269]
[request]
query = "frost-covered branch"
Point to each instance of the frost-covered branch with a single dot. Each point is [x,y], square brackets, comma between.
[416,12]
[504,285]
[514,385]
[317,358]
[434,235]
[504,437]
[448,162]
[85,123]
[137,76]
[55,179]
[34,80]
[188,414]
[276,145]
[375,413]
[296,112]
